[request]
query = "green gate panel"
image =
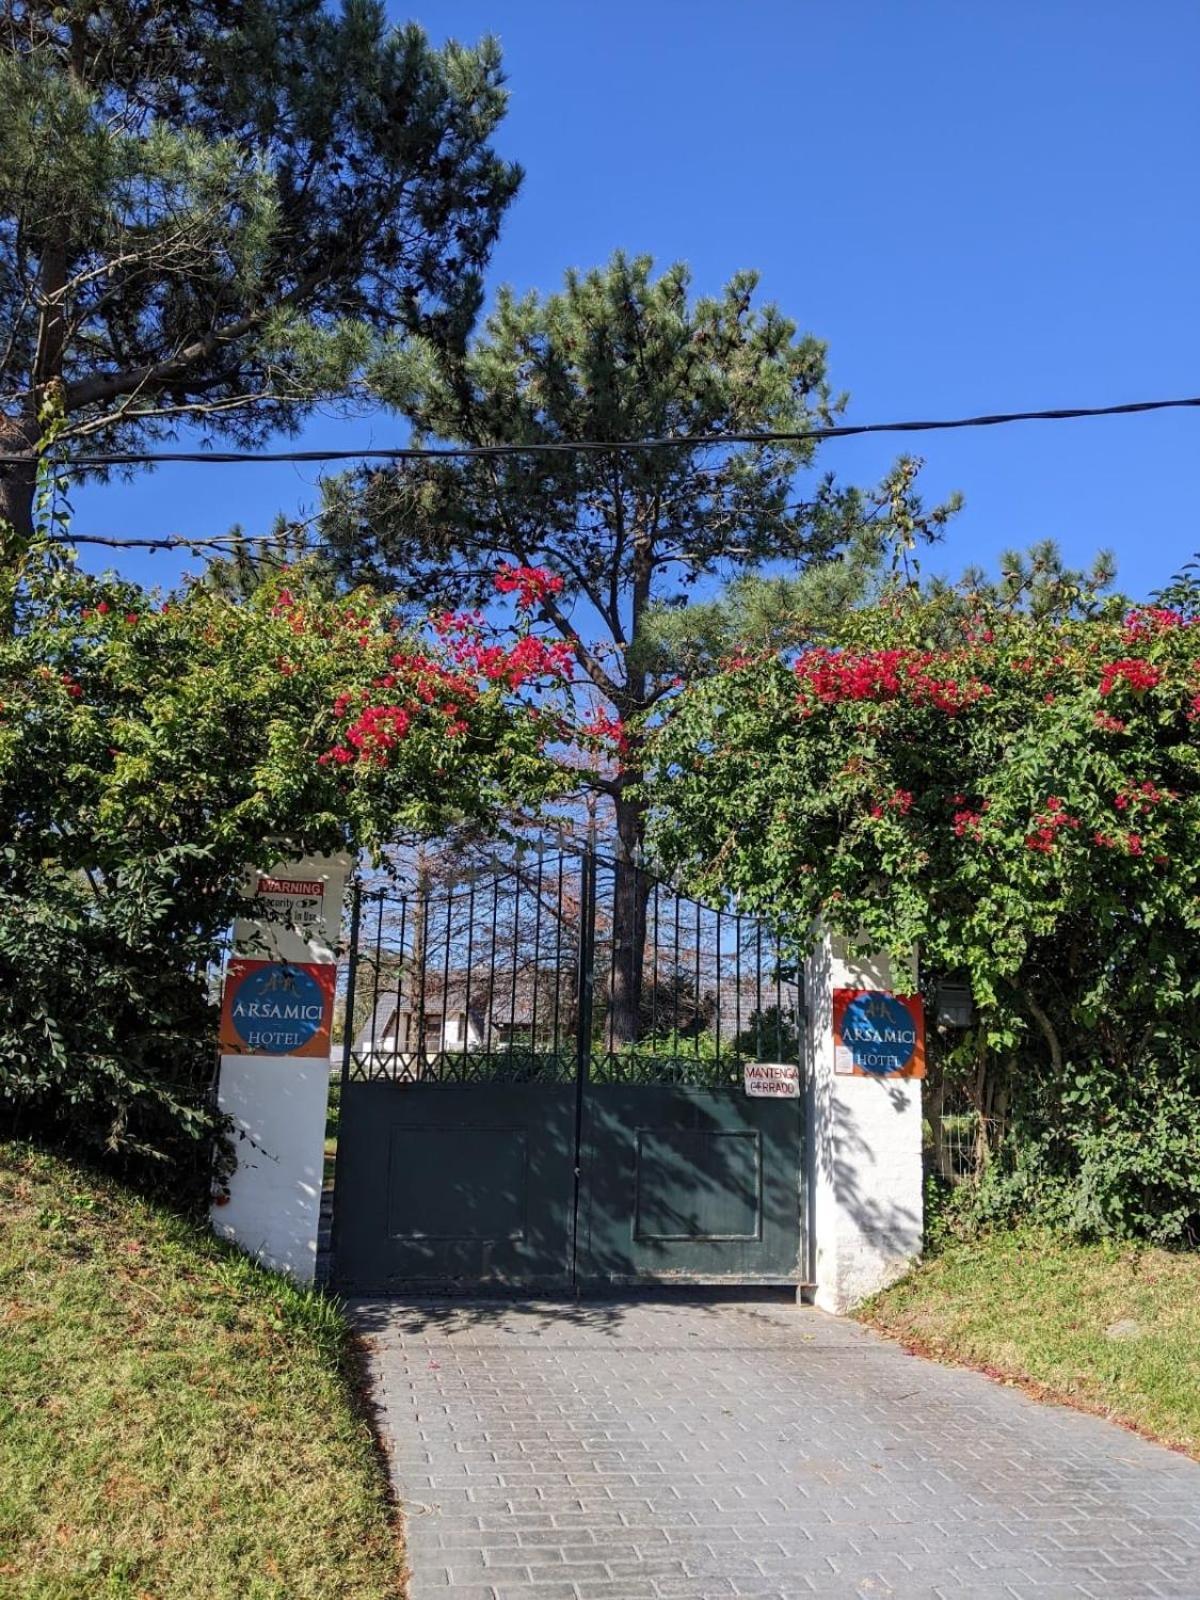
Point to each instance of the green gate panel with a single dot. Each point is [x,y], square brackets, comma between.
[685,1185]
[453,1186]
[697,1183]
[458,1183]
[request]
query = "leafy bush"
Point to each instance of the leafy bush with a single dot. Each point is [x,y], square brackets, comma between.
[1102,1152]
[148,754]
[1018,795]
[771,1033]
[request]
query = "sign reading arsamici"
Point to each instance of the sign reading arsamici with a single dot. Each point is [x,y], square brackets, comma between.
[277,1008]
[878,1035]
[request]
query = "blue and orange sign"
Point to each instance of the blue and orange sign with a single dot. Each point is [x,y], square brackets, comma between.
[277,1008]
[877,1034]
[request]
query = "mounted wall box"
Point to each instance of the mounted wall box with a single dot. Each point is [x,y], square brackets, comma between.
[955,1005]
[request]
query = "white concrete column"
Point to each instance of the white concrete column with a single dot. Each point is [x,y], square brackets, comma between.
[276,1018]
[865,1173]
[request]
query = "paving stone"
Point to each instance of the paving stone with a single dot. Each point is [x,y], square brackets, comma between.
[750,1450]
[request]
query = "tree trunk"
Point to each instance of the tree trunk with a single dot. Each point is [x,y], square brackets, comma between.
[940,1158]
[18,485]
[631,892]
[979,1101]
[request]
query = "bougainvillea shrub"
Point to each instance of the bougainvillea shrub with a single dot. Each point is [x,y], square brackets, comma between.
[149,749]
[1021,800]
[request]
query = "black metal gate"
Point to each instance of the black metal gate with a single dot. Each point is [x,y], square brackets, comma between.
[543,1086]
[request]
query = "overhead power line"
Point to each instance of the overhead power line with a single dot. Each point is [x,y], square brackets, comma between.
[164,541]
[134,458]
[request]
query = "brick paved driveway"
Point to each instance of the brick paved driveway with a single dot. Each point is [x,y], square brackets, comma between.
[667,1449]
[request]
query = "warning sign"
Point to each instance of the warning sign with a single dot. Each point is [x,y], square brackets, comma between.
[275,1008]
[287,902]
[779,1080]
[878,1035]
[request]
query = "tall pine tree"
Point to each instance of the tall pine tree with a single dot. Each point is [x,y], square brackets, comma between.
[618,354]
[216,212]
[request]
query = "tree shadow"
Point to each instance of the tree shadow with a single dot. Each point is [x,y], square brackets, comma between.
[600,1312]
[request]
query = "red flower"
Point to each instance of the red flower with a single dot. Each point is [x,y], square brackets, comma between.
[456,622]
[1146,621]
[339,754]
[609,729]
[968,824]
[531,585]
[1048,824]
[1141,797]
[1133,670]
[376,730]
[832,676]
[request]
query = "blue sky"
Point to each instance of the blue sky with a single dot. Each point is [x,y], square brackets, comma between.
[978,207]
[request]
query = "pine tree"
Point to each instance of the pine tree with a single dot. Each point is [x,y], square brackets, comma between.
[618,354]
[215,212]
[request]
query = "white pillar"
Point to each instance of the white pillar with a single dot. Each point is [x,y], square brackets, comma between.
[865,1172]
[276,1018]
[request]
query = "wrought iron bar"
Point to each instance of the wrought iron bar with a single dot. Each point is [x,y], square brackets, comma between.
[505,963]
[558,929]
[351,977]
[470,967]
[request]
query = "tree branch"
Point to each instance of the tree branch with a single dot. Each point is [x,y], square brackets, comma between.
[1047,1027]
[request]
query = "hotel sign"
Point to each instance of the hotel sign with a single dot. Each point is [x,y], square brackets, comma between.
[276,1008]
[877,1034]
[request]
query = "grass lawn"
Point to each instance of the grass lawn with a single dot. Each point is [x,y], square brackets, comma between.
[1113,1329]
[173,1420]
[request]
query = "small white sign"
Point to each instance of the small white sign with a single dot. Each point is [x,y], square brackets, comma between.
[778,1080]
[294,911]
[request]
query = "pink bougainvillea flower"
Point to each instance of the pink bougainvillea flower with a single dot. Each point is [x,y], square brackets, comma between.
[531,585]
[1138,673]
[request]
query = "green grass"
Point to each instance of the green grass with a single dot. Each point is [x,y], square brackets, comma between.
[174,1421]
[1037,1309]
